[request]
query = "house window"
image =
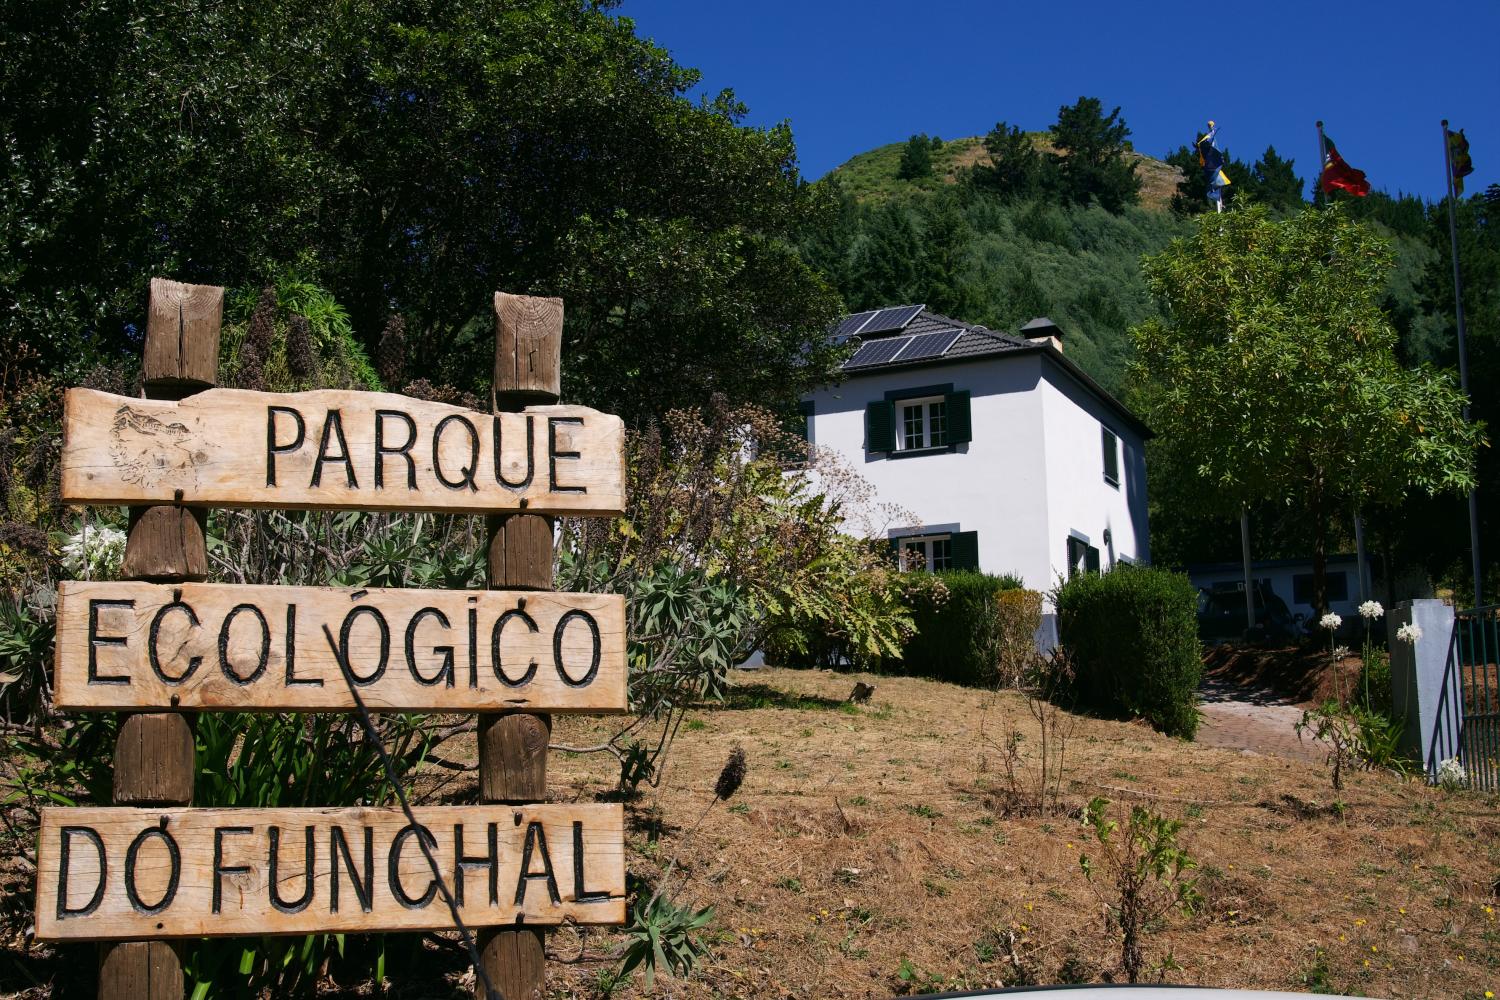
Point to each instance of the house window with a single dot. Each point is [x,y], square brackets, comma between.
[1337,582]
[932,553]
[924,424]
[1111,457]
[1082,557]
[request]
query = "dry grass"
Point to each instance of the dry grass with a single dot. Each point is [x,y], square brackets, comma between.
[866,838]
[869,839]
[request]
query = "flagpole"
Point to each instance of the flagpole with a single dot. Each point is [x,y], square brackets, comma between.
[1463,352]
[1322,166]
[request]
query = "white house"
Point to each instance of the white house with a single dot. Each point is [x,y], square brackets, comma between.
[1011,458]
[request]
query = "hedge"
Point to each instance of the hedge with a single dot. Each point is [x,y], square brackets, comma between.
[1133,638]
[958,640]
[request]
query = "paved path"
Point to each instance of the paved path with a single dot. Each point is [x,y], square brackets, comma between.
[1251,720]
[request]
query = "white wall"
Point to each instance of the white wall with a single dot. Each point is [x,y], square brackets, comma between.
[1079,500]
[994,485]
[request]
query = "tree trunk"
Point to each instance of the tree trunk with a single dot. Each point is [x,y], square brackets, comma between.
[1320,545]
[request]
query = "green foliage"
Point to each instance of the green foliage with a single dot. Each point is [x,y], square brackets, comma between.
[1271,182]
[1016,168]
[663,937]
[722,551]
[1091,159]
[1274,376]
[1142,875]
[916,159]
[26,634]
[958,628]
[1354,736]
[340,143]
[1132,635]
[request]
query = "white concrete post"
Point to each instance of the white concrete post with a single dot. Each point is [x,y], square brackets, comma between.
[1424,678]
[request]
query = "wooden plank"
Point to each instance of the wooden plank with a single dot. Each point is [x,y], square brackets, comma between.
[227,647]
[169,873]
[336,449]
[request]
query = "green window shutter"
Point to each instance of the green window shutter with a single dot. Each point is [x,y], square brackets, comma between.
[1091,559]
[805,410]
[960,427]
[1111,446]
[965,548]
[880,426]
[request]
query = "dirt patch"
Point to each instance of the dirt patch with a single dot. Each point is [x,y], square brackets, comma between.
[1302,676]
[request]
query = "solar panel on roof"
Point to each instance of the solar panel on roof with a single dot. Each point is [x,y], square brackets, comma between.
[877,352]
[930,345]
[895,318]
[851,324]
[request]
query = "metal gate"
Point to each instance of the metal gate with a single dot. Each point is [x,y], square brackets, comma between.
[1477,642]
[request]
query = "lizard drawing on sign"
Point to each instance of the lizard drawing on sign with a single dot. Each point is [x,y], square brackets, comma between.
[146,450]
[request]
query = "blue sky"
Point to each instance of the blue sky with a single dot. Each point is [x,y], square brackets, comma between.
[854,75]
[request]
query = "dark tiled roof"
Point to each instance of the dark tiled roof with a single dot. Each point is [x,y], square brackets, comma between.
[973,341]
[980,342]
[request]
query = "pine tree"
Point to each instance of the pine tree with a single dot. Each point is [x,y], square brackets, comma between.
[916,158]
[1016,168]
[1275,183]
[888,261]
[1090,157]
[945,237]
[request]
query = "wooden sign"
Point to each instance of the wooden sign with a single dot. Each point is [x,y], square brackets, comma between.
[338,449]
[118,874]
[132,645]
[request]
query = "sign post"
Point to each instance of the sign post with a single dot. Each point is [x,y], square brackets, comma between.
[154,751]
[513,745]
[167,643]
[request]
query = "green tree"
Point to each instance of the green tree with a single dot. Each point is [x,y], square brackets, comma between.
[1016,168]
[1275,183]
[1274,371]
[916,159]
[945,241]
[1091,155]
[888,265]
[410,159]
[1191,197]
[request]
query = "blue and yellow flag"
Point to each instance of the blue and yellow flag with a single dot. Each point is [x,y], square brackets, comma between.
[1212,162]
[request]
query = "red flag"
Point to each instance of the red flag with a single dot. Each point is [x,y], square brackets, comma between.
[1338,174]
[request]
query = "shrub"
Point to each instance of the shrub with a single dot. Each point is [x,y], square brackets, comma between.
[1133,637]
[1020,614]
[959,639]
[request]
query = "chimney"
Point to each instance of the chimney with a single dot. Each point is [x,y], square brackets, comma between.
[1043,328]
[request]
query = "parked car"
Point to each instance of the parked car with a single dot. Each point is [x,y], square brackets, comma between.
[1221,615]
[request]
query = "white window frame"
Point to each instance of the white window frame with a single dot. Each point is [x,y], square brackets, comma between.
[925,405]
[933,558]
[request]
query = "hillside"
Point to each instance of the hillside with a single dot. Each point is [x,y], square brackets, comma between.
[997,261]
[1001,261]
[871,176]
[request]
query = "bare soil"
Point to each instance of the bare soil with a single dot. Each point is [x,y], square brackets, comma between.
[1302,675]
[871,852]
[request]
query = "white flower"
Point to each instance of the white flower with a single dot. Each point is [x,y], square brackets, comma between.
[1409,633]
[1371,610]
[1330,621]
[1340,652]
[94,553]
[1451,775]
